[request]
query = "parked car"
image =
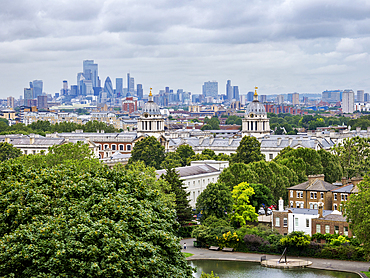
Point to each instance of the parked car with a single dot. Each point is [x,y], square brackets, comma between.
[261,211]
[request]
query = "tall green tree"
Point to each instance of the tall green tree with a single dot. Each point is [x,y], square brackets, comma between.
[185,152]
[7,151]
[171,159]
[148,150]
[354,156]
[249,150]
[331,166]
[262,195]
[183,210]
[215,200]
[356,209]
[243,211]
[69,222]
[237,173]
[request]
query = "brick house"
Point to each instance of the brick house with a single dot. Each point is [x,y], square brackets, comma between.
[308,194]
[342,193]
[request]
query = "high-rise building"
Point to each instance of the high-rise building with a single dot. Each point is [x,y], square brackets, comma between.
[74,90]
[90,72]
[280,99]
[262,98]
[10,102]
[64,90]
[80,79]
[236,92]
[28,94]
[295,99]
[37,88]
[119,87]
[108,87]
[348,101]
[130,84]
[360,96]
[332,96]
[42,102]
[366,97]
[290,98]
[140,91]
[229,90]
[88,87]
[210,89]
[250,96]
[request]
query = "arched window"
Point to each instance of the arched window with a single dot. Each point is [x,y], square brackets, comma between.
[121,147]
[113,147]
[128,147]
[106,146]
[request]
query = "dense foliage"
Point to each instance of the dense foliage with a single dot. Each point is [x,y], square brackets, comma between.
[211,124]
[66,221]
[7,151]
[148,150]
[249,150]
[43,127]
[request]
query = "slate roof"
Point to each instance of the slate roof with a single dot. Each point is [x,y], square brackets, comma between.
[308,211]
[344,189]
[191,170]
[334,217]
[317,185]
[25,140]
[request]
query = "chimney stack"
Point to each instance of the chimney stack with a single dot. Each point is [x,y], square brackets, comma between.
[356,181]
[281,204]
[320,210]
[312,178]
[344,181]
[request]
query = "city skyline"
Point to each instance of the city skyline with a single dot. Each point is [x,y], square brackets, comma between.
[279,46]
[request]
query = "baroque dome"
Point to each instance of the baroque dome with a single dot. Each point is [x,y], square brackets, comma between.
[255,107]
[151,107]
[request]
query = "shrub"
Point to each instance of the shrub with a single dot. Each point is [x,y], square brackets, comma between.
[228,240]
[255,243]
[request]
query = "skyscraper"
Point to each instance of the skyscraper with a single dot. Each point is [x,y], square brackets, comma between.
[348,101]
[236,92]
[119,87]
[360,95]
[139,91]
[42,102]
[130,84]
[210,89]
[229,90]
[332,96]
[37,88]
[28,95]
[280,99]
[90,72]
[295,99]
[250,96]
[10,102]
[108,87]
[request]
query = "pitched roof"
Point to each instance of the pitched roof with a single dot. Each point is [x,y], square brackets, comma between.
[316,185]
[191,170]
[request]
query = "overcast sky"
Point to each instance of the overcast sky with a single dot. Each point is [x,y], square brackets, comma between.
[279,46]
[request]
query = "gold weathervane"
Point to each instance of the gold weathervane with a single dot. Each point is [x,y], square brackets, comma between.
[150,94]
[255,91]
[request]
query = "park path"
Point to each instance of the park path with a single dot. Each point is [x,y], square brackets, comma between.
[327,264]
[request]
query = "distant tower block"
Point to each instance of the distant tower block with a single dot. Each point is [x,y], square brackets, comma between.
[255,122]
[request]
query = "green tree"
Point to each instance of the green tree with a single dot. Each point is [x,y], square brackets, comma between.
[296,239]
[148,150]
[69,222]
[215,200]
[249,150]
[237,173]
[209,153]
[183,210]
[7,151]
[172,159]
[356,209]
[185,152]
[262,195]
[331,166]
[354,156]
[243,211]
[209,275]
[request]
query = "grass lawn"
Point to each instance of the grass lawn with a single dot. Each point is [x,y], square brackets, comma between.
[187,254]
[367,273]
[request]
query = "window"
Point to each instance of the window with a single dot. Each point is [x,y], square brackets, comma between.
[345,231]
[194,196]
[327,229]
[336,229]
[296,221]
[298,194]
[99,147]
[307,223]
[302,205]
[34,152]
[106,146]
[291,204]
[277,222]
[128,147]
[335,207]
[271,156]
[113,147]
[285,222]
[335,196]
[318,228]
[301,194]
[311,206]
[315,195]
[311,195]
[322,195]
[315,206]
[345,197]
[121,147]
[297,204]
[291,193]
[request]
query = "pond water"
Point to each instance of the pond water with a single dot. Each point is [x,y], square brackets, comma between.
[233,269]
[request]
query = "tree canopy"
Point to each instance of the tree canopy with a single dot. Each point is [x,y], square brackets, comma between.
[148,150]
[249,150]
[243,210]
[185,152]
[215,200]
[7,151]
[64,221]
